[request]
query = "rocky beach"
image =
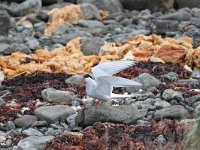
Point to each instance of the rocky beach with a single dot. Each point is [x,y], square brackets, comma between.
[47,45]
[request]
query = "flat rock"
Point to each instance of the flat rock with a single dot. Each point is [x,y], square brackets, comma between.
[54,113]
[180,15]
[105,113]
[172,112]
[25,121]
[32,132]
[91,24]
[33,142]
[53,95]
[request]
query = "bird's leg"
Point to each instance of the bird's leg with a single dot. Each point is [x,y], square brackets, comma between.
[97,102]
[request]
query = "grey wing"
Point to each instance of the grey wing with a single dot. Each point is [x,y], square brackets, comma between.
[117,81]
[110,68]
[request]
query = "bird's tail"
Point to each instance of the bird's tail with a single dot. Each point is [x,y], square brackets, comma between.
[113,95]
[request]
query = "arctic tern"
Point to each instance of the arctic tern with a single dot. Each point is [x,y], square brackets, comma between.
[100,84]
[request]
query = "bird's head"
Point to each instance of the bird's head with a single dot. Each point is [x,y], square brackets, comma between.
[86,76]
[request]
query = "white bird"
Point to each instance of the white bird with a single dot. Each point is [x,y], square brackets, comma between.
[100,84]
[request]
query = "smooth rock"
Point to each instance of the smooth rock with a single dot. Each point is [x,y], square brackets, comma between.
[32,132]
[154,5]
[4,23]
[75,79]
[146,80]
[34,142]
[166,25]
[54,113]
[91,24]
[91,46]
[172,112]
[25,121]
[111,5]
[54,95]
[105,113]
[90,11]
[180,15]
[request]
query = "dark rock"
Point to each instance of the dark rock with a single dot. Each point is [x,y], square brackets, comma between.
[166,25]
[195,22]
[42,15]
[25,121]
[91,46]
[105,113]
[2,101]
[54,113]
[187,3]
[33,19]
[49,2]
[4,23]
[17,47]
[173,112]
[90,11]
[154,5]
[26,7]
[110,5]
[62,29]
[91,24]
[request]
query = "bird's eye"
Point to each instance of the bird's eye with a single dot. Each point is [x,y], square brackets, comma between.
[87,76]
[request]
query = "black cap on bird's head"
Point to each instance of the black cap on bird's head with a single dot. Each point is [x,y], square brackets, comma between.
[86,76]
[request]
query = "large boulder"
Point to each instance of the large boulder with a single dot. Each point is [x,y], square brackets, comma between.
[106,113]
[187,3]
[154,5]
[112,6]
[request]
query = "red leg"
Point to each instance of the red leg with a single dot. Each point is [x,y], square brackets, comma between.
[97,102]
